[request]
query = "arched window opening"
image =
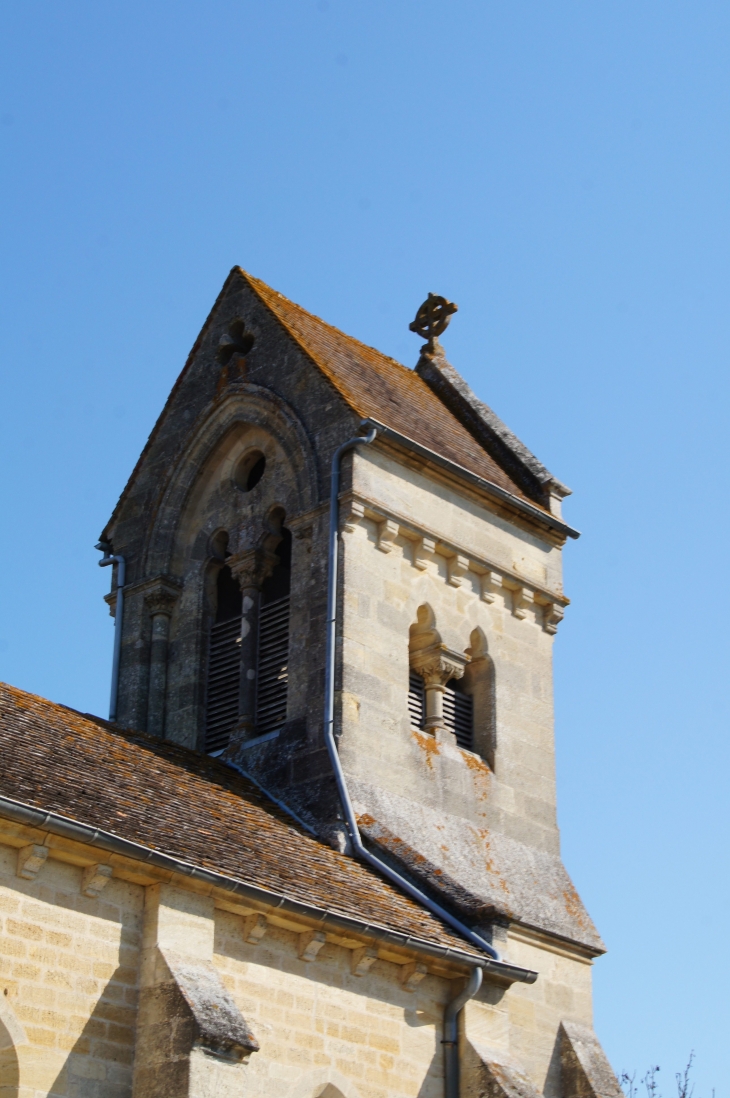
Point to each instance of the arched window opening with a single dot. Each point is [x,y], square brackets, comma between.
[224,660]
[272,673]
[451,690]
[458,709]
[249,470]
[248,652]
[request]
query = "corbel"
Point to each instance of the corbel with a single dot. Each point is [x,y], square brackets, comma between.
[254,928]
[310,943]
[30,860]
[410,975]
[458,566]
[491,583]
[362,960]
[94,879]
[552,615]
[353,513]
[387,533]
[522,598]
[423,551]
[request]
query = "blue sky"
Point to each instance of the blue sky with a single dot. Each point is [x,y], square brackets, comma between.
[562,171]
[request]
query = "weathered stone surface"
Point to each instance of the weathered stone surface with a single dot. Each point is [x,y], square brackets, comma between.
[219,1025]
[483,423]
[484,1075]
[485,875]
[586,1072]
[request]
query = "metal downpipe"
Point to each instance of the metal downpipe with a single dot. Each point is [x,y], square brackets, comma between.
[329,718]
[120,562]
[450,1039]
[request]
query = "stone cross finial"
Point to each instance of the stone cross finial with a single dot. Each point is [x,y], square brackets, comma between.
[433,318]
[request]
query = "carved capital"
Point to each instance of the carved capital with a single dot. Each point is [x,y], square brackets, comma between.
[252,567]
[161,600]
[437,664]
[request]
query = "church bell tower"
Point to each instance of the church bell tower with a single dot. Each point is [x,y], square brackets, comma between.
[449,599]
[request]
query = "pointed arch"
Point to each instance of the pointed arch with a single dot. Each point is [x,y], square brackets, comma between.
[220,437]
[479,684]
[324,1082]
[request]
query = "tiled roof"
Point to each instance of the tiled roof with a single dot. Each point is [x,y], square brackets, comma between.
[378,387]
[176,802]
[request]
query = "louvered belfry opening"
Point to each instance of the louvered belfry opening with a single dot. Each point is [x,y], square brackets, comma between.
[459,713]
[224,663]
[272,674]
[458,709]
[416,700]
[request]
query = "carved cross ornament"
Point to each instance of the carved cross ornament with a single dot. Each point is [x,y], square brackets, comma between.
[236,341]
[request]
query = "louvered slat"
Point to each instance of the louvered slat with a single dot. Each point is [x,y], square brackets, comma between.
[224,664]
[459,716]
[416,700]
[272,672]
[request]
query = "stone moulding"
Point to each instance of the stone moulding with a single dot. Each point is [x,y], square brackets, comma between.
[527,511]
[523,594]
[249,406]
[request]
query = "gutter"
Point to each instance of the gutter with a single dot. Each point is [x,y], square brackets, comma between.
[486,486]
[359,848]
[67,828]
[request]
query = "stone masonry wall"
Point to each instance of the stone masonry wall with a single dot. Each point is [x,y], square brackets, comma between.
[70,972]
[480,825]
[68,982]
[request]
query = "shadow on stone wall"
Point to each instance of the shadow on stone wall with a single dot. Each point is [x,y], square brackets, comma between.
[9,1073]
[100,1061]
